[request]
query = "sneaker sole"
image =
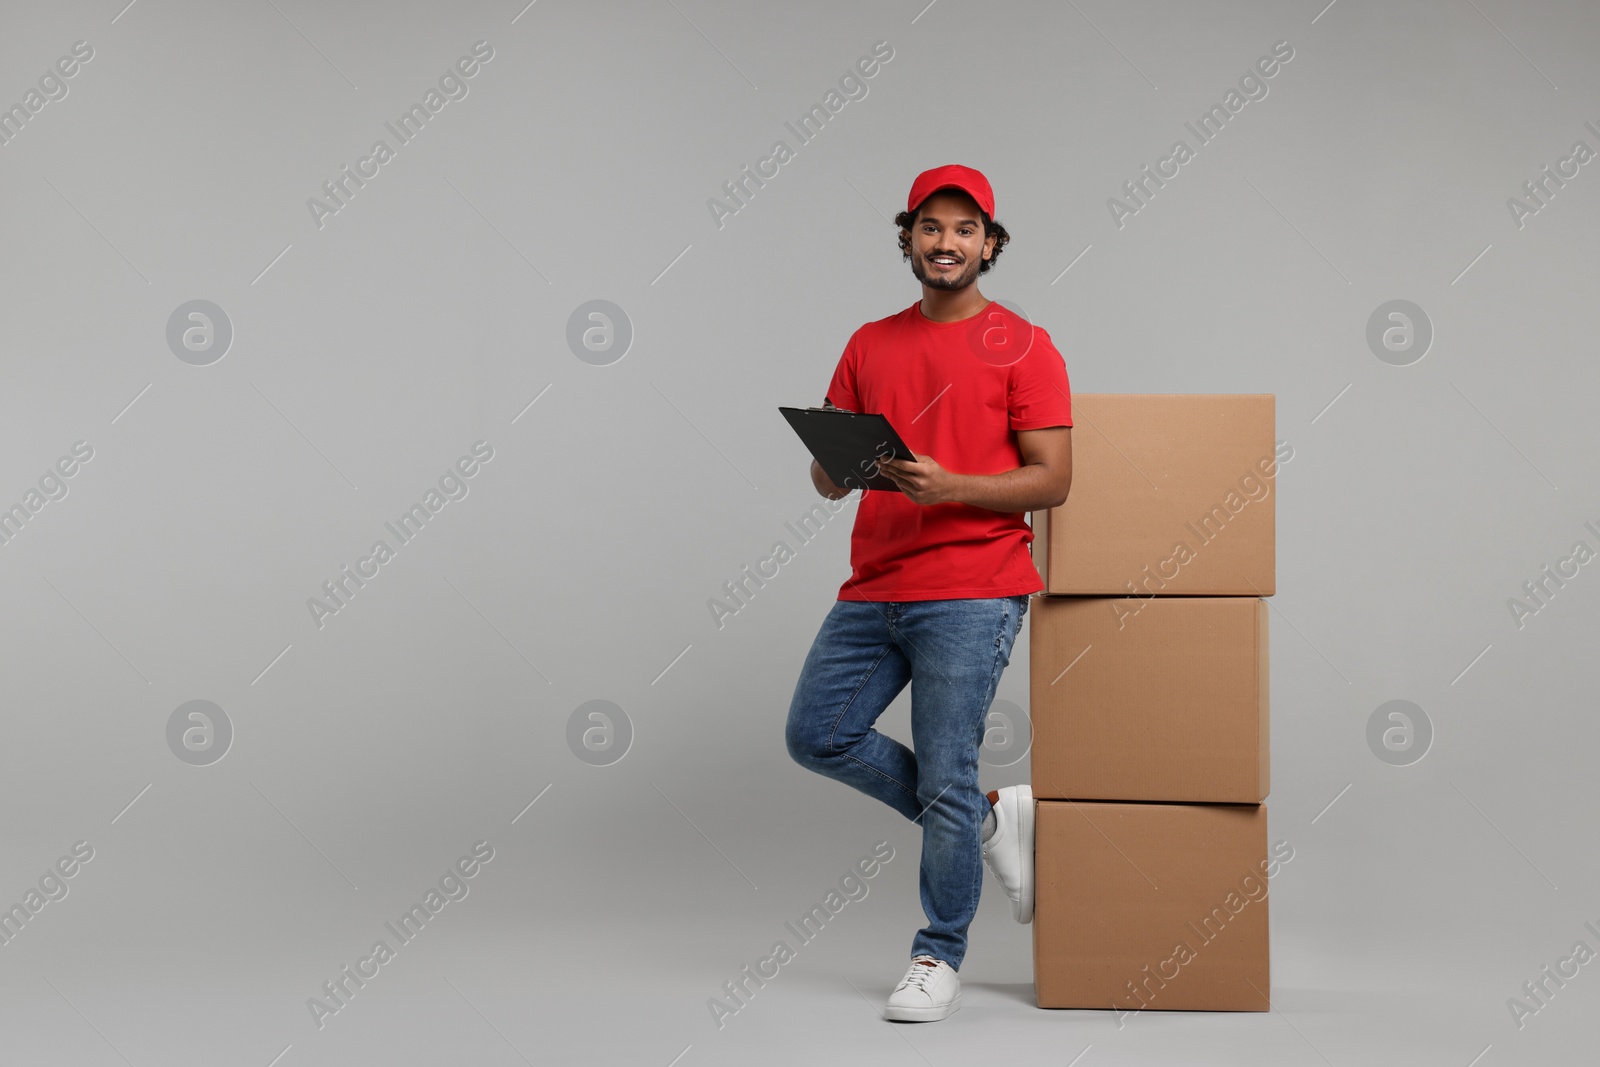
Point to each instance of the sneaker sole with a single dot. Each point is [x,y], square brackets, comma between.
[1025,831]
[921,1015]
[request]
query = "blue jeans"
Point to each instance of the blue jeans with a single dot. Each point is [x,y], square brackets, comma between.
[952,652]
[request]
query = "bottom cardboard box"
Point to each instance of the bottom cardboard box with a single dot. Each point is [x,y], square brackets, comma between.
[1151,906]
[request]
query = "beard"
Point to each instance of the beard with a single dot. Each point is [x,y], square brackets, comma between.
[949,282]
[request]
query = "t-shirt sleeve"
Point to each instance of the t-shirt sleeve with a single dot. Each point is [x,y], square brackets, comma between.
[1040,394]
[842,389]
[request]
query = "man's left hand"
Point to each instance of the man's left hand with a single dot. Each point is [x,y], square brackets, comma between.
[922,479]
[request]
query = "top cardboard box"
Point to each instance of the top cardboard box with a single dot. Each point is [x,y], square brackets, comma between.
[1172,494]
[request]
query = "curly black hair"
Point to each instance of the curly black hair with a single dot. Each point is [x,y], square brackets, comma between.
[991,228]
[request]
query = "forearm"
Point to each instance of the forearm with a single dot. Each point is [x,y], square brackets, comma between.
[1027,488]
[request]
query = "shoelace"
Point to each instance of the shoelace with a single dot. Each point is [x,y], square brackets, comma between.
[921,975]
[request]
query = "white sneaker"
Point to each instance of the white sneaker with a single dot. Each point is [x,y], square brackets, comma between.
[929,991]
[1009,851]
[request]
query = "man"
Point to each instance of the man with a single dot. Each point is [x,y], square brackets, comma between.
[941,571]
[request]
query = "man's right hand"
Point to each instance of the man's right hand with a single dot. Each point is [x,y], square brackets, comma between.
[824,484]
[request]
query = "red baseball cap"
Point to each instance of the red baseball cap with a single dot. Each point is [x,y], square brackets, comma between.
[952,176]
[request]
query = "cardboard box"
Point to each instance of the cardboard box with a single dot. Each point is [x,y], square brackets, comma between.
[1160,698]
[1171,494]
[1152,906]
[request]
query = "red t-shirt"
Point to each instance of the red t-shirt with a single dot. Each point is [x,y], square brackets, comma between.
[955,391]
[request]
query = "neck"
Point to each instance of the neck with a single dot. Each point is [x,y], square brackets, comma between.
[942,305]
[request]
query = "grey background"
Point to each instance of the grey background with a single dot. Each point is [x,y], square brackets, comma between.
[370,354]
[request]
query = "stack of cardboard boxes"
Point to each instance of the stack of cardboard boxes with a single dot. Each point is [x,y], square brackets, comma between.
[1149,705]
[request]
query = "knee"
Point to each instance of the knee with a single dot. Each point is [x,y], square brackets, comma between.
[805,746]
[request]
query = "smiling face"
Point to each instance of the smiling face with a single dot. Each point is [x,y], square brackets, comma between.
[948,244]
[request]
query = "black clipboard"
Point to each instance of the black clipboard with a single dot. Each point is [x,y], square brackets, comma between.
[846,444]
